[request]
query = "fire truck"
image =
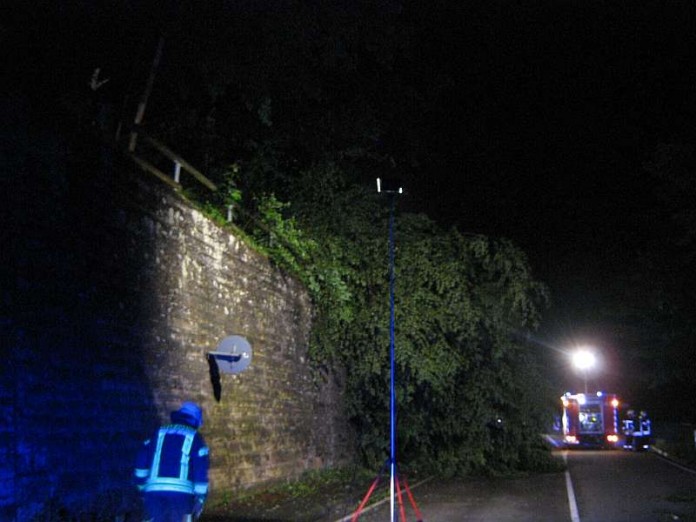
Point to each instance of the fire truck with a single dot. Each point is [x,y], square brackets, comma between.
[591,420]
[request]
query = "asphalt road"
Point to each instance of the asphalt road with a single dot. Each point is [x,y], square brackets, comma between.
[635,487]
[599,486]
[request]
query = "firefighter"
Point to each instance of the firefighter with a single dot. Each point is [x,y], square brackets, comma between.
[630,429]
[171,469]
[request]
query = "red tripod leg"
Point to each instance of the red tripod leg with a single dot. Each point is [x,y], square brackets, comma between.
[364,501]
[413,502]
[401,499]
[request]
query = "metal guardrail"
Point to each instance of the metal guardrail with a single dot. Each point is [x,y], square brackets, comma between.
[179,163]
[173,181]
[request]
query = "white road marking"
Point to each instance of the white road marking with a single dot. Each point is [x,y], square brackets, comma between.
[665,456]
[572,504]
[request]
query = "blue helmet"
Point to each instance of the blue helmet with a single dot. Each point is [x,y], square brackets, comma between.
[190,413]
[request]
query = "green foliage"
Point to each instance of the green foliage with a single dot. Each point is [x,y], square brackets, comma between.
[470,393]
[228,194]
[281,238]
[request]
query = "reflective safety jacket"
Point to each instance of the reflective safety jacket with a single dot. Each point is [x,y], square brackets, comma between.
[175,459]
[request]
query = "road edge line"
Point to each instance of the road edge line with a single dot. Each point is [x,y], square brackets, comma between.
[666,456]
[572,504]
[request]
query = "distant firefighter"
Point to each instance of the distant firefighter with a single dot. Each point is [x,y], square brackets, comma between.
[172,468]
[638,431]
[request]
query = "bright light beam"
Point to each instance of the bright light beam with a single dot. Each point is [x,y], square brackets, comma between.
[584,360]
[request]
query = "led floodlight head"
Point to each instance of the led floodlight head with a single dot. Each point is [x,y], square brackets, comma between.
[389,186]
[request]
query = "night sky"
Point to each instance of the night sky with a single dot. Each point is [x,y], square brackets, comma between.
[547,115]
[526,120]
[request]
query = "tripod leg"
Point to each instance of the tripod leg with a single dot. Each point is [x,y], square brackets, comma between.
[402,511]
[364,500]
[413,502]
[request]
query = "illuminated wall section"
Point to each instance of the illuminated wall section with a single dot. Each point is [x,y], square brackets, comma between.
[113,291]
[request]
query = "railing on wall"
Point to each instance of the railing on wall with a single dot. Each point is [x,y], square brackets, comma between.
[154,167]
[137,132]
[178,163]
[142,157]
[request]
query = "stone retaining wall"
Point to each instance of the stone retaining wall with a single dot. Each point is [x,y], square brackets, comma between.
[113,292]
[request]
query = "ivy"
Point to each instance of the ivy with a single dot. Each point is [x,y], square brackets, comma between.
[470,394]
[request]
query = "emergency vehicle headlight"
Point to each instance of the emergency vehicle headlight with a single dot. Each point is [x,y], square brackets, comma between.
[571,439]
[615,403]
[613,438]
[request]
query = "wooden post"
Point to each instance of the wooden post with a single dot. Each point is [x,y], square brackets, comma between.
[148,89]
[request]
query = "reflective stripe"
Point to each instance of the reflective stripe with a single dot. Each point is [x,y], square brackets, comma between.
[201,488]
[169,484]
[154,471]
[185,456]
[203,451]
[180,484]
